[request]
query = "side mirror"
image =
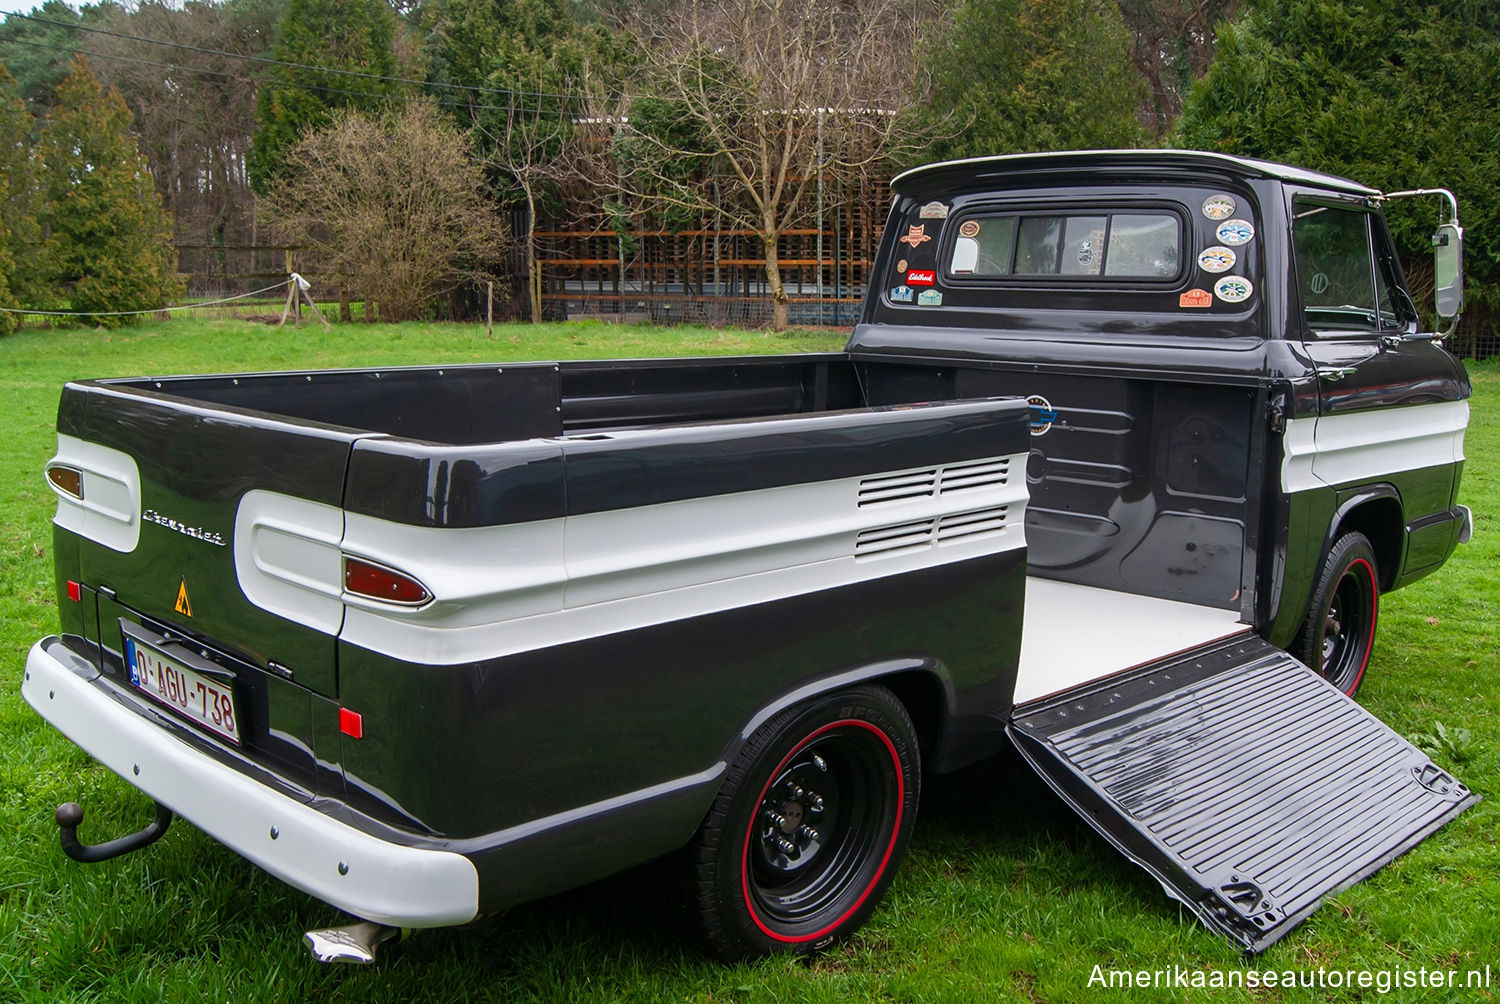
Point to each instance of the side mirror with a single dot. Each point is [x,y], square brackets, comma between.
[1448,269]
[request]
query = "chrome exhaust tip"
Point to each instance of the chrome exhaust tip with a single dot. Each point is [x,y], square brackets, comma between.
[352,943]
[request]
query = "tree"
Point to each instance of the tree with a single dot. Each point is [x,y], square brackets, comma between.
[394,203]
[112,239]
[20,232]
[513,71]
[1394,95]
[195,115]
[1034,75]
[767,96]
[326,41]
[1172,46]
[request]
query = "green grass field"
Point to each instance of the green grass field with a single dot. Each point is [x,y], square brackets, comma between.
[1005,895]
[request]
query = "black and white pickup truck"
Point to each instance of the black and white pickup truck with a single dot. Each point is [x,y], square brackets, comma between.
[1123,443]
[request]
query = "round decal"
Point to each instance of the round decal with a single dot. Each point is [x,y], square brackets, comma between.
[1235,232]
[1042,414]
[968,228]
[1217,259]
[1233,288]
[1218,207]
[901,265]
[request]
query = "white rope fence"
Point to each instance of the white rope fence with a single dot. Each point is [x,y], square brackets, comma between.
[155,310]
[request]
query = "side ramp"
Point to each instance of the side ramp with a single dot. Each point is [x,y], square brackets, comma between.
[1248,786]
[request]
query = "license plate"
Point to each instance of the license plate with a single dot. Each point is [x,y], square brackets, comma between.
[200,699]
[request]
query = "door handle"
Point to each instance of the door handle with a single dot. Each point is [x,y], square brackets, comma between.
[1332,374]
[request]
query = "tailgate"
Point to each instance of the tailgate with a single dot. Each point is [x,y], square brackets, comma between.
[166,547]
[1248,786]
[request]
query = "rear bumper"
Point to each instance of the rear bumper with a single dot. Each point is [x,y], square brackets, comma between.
[355,871]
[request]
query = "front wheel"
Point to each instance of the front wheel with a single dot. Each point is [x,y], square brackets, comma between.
[809,827]
[1339,633]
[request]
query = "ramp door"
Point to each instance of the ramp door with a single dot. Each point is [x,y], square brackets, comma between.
[1248,786]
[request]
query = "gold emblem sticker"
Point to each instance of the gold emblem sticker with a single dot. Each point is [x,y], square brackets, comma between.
[1217,259]
[1218,207]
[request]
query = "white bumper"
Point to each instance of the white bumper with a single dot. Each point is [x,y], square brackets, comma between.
[346,867]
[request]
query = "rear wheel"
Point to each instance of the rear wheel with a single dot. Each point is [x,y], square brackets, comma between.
[1339,633]
[809,827]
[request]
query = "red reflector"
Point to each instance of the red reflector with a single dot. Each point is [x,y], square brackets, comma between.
[67,480]
[75,591]
[351,724]
[365,578]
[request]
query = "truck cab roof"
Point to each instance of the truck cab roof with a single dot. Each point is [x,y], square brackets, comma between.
[1118,163]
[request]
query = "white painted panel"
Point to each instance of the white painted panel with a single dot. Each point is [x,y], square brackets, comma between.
[477,575]
[287,558]
[1369,445]
[1077,634]
[385,882]
[109,513]
[498,590]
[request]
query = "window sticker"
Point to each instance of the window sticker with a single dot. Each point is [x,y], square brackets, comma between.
[933,211]
[1217,259]
[921,277]
[930,298]
[917,236]
[969,229]
[1233,289]
[1219,207]
[1196,298]
[901,265]
[1235,233]
[1085,254]
[901,294]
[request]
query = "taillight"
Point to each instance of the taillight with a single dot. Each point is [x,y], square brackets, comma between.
[378,582]
[68,480]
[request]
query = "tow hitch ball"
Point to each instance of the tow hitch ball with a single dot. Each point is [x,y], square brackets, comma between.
[70,816]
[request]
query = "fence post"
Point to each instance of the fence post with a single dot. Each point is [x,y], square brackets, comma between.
[489,310]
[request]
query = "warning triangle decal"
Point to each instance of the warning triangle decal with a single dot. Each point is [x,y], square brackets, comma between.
[183,606]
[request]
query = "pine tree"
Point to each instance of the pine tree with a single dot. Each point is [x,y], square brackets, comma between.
[1394,95]
[319,36]
[19,235]
[112,239]
[1028,75]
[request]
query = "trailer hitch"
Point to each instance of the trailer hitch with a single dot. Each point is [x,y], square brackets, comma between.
[70,816]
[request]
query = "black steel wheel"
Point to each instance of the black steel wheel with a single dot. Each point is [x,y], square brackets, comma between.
[809,827]
[1339,633]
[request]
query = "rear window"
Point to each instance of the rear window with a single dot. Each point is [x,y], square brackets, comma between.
[1133,245]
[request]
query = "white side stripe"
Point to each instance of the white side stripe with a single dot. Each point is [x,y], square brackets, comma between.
[508,589]
[1366,445]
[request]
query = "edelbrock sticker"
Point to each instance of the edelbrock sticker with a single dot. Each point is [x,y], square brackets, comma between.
[1042,414]
[930,298]
[1233,289]
[901,294]
[1217,259]
[1219,207]
[933,211]
[1235,233]
[921,277]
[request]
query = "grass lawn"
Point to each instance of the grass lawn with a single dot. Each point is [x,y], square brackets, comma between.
[1005,895]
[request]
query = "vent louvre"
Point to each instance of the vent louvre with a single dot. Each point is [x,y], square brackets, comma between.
[978,474]
[906,485]
[901,537]
[972,524]
[897,487]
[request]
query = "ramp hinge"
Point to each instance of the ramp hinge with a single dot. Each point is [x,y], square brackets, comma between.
[1440,782]
[1245,904]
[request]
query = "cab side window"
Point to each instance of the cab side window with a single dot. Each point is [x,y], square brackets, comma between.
[1345,285]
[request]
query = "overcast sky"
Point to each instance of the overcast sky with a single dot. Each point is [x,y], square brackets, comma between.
[24,6]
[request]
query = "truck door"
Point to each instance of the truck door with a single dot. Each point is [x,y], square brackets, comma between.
[1247,785]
